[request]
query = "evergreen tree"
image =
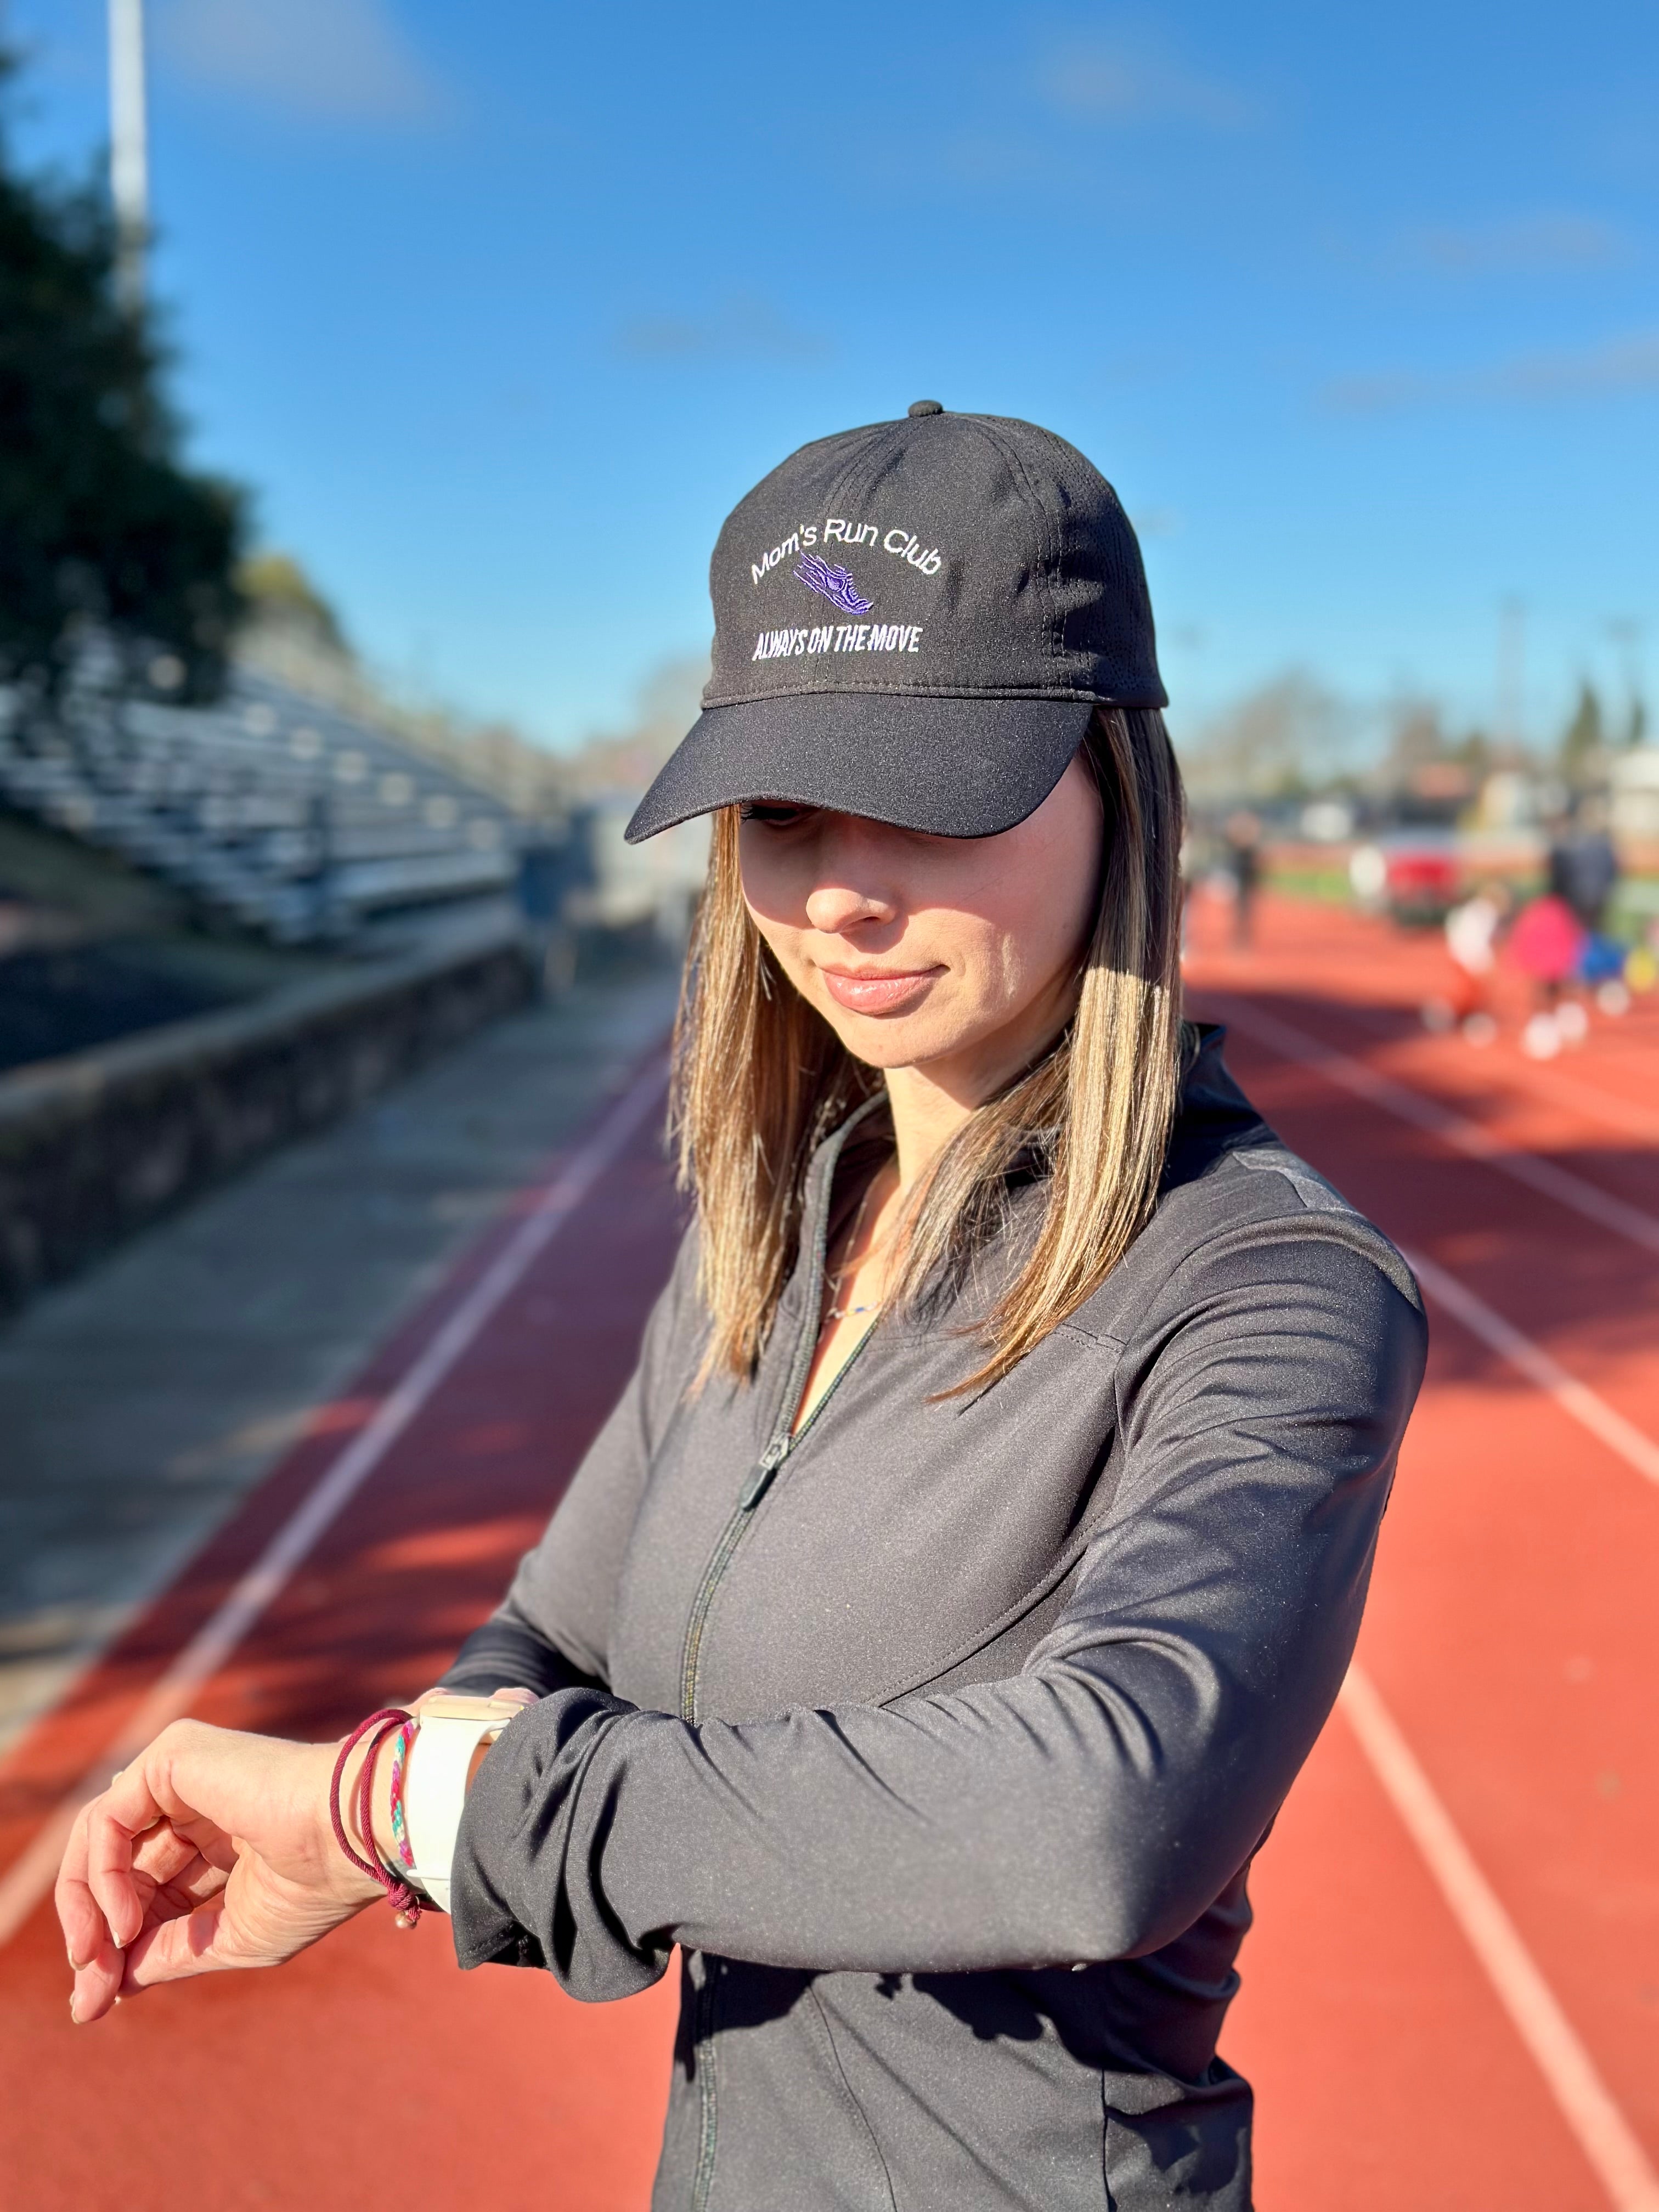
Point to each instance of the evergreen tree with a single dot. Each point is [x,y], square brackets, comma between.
[104,532]
[1583,739]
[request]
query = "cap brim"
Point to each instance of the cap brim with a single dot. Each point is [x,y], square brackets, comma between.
[953,767]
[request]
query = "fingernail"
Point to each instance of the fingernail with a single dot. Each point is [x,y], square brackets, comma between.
[74,2014]
[77,1966]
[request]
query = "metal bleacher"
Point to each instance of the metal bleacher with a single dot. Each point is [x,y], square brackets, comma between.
[291,816]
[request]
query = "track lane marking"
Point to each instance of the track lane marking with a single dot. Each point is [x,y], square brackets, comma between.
[1506,1064]
[1606,2138]
[1586,1406]
[1597,1105]
[31,1875]
[1542,1176]
[1626,1115]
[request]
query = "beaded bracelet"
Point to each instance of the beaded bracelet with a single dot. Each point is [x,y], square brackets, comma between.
[405,1901]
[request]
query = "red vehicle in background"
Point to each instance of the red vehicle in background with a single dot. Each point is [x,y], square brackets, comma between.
[1415,875]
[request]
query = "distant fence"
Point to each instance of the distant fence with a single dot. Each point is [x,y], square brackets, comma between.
[1514,857]
[96,1144]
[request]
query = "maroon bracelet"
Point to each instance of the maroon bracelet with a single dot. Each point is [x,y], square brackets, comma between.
[406,1902]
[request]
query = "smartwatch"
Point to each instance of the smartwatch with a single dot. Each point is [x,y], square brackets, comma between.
[435,1787]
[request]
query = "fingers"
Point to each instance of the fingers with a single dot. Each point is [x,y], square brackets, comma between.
[171,1879]
[177,1874]
[124,1811]
[100,1904]
[173,1950]
[97,1985]
[85,1932]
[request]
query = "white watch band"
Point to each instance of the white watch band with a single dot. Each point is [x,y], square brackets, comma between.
[434,1785]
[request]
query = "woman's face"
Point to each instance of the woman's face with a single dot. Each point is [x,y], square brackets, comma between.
[958,955]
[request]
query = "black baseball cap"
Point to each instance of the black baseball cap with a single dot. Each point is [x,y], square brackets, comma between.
[915,622]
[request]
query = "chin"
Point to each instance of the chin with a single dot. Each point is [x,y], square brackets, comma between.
[900,1041]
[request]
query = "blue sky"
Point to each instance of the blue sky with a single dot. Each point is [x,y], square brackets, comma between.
[500,307]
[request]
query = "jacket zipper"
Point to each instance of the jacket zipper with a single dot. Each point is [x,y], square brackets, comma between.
[781,1443]
[756,1486]
[758,1483]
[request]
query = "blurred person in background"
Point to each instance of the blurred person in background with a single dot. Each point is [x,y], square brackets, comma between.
[1242,860]
[1473,928]
[1583,872]
[1583,866]
[1546,944]
[928,1640]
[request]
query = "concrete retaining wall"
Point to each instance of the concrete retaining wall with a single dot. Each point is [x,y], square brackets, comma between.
[95,1145]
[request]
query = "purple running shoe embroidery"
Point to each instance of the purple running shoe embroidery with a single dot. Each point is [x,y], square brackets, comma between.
[834,583]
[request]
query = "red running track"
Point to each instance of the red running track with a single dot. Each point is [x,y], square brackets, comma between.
[369,2071]
[1512,1630]
[1508,1637]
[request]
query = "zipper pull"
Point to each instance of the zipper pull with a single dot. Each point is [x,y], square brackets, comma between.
[761,1481]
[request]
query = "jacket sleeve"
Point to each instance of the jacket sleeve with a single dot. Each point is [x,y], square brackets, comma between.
[552,1630]
[1090,1807]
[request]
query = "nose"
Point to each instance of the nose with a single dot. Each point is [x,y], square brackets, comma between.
[851,884]
[834,908]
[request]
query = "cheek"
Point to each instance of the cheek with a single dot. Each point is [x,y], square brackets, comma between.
[775,886]
[764,872]
[782,940]
[1029,932]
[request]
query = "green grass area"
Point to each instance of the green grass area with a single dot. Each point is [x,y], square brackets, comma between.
[1329,885]
[1635,907]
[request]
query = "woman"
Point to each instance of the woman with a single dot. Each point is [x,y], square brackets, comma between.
[928,1640]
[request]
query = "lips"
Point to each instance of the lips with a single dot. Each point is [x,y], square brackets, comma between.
[871,992]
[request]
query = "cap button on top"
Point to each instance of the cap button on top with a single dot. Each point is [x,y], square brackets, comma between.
[925,407]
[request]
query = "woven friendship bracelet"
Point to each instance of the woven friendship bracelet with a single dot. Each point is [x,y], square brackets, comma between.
[400,1750]
[406,1902]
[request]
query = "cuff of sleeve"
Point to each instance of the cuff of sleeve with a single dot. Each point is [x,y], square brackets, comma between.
[527,1885]
[504,1653]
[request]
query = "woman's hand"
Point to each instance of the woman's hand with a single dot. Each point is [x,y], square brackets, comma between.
[213,1850]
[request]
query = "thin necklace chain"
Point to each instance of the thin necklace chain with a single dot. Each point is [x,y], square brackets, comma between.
[833,1277]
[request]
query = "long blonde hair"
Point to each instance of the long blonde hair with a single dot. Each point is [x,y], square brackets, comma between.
[760,1079]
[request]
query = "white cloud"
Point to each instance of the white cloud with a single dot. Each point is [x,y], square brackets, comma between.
[1126,80]
[1617,365]
[345,59]
[1525,247]
[741,327]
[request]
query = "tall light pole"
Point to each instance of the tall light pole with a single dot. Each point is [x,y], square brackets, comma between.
[1511,673]
[129,148]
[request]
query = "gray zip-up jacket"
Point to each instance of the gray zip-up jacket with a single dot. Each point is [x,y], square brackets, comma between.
[941,1738]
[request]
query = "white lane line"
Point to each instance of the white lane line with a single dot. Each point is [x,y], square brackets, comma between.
[1630,1222]
[1585,1406]
[1602,2132]
[1585,1098]
[30,1877]
[1610,1107]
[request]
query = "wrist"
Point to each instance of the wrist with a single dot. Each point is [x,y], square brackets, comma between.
[455,1734]
[375,1844]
